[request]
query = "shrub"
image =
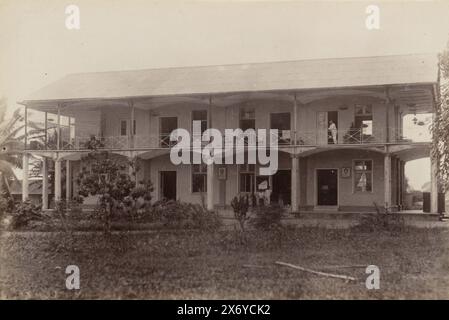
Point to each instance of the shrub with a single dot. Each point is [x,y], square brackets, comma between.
[382,220]
[177,214]
[66,209]
[267,217]
[169,212]
[6,204]
[240,205]
[60,208]
[203,219]
[74,206]
[24,213]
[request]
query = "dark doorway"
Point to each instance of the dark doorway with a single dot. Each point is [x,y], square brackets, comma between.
[200,115]
[281,122]
[282,187]
[426,202]
[327,187]
[332,116]
[247,119]
[168,185]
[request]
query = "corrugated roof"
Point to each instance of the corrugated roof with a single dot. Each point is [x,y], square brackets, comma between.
[288,75]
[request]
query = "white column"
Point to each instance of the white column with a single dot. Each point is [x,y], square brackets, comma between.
[401,185]
[210,187]
[388,105]
[25,193]
[58,180]
[46,132]
[404,186]
[210,167]
[44,184]
[295,183]
[68,181]
[387,180]
[295,119]
[26,128]
[131,124]
[433,185]
[58,141]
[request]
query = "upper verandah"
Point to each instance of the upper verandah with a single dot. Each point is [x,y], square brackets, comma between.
[409,81]
[239,78]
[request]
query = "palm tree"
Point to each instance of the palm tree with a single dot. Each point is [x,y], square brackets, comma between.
[11,137]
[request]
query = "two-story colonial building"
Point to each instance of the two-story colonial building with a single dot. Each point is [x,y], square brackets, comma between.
[346,127]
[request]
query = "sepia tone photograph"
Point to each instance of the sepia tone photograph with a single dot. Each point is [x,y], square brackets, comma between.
[224,150]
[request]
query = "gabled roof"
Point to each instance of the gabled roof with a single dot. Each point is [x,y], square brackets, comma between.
[288,75]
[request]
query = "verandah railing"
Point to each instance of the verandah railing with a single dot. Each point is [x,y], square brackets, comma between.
[283,137]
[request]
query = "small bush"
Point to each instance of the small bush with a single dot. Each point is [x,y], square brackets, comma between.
[240,205]
[75,206]
[24,213]
[6,204]
[382,220]
[66,210]
[177,214]
[60,208]
[203,219]
[170,213]
[267,217]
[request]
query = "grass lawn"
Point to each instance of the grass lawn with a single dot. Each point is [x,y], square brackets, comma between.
[189,264]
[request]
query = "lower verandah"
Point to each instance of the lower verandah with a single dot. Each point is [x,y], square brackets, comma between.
[341,180]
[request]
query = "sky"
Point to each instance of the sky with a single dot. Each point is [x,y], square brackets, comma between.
[37,48]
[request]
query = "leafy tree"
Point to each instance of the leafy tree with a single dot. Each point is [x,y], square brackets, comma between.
[106,176]
[440,127]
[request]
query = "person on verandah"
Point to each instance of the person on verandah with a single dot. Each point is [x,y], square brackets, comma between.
[333,131]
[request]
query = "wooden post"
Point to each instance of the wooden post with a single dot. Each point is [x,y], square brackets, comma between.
[26,127]
[387,180]
[58,142]
[433,185]
[210,186]
[58,180]
[68,181]
[44,184]
[210,167]
[209,113]
[25,184]
[400,184]
[404,186]
[387,115]
[46,131]
[295,119]
[434,161]
[131,125]
[295,183]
